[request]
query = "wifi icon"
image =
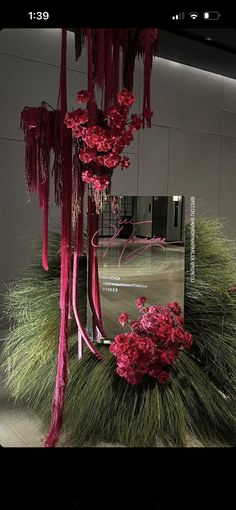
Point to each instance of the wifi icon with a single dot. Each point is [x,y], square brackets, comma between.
[194,15]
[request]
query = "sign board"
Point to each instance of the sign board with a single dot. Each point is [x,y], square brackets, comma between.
[140,253]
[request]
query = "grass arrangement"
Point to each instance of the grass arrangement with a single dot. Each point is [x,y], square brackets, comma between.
[100,406]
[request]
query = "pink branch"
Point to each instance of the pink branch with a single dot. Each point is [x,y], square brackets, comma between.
[93,284]
[82,334]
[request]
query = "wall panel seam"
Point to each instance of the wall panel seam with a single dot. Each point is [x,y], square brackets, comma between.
[40,62]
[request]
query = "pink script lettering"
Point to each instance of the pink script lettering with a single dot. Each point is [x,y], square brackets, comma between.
[145,243]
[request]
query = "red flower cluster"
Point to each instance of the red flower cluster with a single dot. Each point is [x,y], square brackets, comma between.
[154,344]
[103,142]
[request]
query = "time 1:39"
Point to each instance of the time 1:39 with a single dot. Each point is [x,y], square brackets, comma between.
[38,15]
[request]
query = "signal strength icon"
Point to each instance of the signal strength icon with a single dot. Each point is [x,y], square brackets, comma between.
[181,15]
[193,15]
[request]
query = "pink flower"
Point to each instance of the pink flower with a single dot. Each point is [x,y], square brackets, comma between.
[147,114]
[131,376]
[168,357]
[135,324]
[158,373]
[114,113]
[120,338]
[118,147]
[125,162]
[121,371]
[154,344]
[103,146]
[69,120]
[78,131]
[101,183]
[188,340]
[157,309]
[111,160]
[179,320]
[83,96]
[136,122]
[176,335]
[83,117]
[73,119]
[88,176]
[123,318]
[126,138]
[90,139]
[86,155]
[149,323]
[112,348]
[100,160]
[175,308]
[163,377]
[140,301]
[162,332]
[155,370]
[125,97]
[147,345]
[117,120]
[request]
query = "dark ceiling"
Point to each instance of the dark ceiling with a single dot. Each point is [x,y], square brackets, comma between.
[212,49]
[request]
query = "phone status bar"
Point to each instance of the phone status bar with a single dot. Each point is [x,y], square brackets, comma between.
[188,16]
[158,17]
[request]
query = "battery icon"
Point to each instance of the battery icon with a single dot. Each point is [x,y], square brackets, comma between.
[211,15]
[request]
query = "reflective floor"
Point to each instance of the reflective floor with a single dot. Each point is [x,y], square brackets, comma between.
[19,427]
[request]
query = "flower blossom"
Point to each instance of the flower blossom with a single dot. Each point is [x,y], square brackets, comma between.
[123,318]
[125,97]
[102,140]
[83,96]
[155,342]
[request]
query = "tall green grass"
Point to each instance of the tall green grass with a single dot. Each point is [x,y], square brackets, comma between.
[102,407]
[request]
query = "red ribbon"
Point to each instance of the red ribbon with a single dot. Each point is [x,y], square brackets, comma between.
[62,367]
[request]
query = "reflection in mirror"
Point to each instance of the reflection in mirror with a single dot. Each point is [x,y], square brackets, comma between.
[140,253]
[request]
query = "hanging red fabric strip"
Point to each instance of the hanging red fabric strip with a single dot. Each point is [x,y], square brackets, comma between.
[103,49]
[149,39]
[100,62]
[108,70]
[147,80]
[43,192]
[116,65]
[45,225]
[129,54]
[79,41]
[91,102]
[57,148]
[30,123]
[78,250]
[92,113]
[62,368]
[37,126]
[33,163]
[74,288]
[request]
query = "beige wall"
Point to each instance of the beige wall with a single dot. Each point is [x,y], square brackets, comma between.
[190,150]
